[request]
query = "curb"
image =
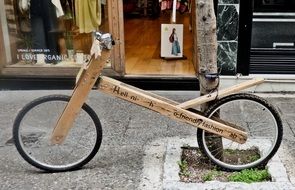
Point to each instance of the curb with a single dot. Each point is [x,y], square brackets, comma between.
[171,180]
[160,170]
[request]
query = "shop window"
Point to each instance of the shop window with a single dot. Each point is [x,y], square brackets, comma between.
[50,33]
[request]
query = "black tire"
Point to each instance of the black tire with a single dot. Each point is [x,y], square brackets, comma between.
[258,118]
[32,130]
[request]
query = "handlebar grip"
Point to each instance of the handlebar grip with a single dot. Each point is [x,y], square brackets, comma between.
[106,40]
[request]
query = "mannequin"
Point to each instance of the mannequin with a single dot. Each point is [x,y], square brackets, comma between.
[44,28]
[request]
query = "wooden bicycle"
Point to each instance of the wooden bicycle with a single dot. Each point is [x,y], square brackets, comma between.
[61,133]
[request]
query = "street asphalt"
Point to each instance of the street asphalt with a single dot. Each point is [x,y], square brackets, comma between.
[127,129]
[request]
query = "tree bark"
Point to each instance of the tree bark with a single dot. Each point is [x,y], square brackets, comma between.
[207,54]
[206,43]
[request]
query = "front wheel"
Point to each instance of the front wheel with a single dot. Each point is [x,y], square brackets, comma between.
[32,131]
[255,116]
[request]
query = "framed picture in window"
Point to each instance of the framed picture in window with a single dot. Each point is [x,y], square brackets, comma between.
[171,40]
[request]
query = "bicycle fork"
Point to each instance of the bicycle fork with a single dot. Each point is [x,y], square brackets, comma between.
[85,81]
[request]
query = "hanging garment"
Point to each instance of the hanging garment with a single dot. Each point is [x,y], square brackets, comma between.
[166,4]
[23,5]
[175,48]
[184,6]
[58,7]
[177,5]
[181,5]
[175,45]
[44,27]
[163,5]
[88,15]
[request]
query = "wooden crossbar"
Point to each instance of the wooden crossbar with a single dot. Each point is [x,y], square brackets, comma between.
[220,94]
[121,90]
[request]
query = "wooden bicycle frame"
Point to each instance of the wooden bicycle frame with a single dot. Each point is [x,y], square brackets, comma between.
[174,110]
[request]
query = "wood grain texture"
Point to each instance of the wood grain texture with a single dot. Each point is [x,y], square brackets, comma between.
[120,90]
[84,85]
[2,49]
[221,93]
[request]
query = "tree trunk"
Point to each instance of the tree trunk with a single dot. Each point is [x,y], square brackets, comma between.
[207,54]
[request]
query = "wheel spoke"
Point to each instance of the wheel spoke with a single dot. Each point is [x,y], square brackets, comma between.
[259,119]
[33,128]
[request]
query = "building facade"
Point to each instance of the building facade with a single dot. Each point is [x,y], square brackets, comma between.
[50,40]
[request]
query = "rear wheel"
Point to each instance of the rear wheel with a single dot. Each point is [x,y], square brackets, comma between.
[254,115]
[32,131]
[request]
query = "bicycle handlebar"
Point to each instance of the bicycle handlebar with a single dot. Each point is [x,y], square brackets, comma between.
[105,39]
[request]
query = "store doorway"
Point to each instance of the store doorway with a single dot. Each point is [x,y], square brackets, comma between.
[142,33]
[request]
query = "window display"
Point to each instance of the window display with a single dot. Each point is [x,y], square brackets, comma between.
[52,38]
[51,32]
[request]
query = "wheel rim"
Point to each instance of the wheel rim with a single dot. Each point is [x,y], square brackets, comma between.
[256,127]
[35,131]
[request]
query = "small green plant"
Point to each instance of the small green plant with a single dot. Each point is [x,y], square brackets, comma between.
[69,40]
[254,158]
[230,151]
[210,175]
[250,176]
[25,45]
[27,41]
[183,165]
[207,177]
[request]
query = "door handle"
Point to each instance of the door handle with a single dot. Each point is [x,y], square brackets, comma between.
[282,44]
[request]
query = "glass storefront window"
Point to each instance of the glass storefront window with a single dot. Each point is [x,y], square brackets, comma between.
[53,33]
[49,38]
